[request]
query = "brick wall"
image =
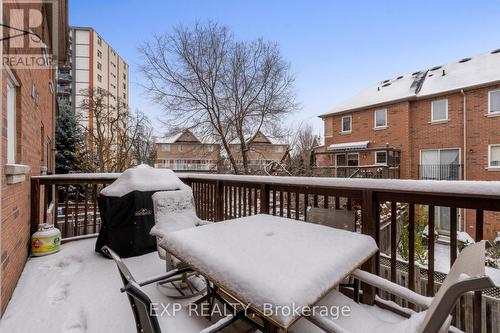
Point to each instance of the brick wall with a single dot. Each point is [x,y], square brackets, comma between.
[410,129]
[31,150]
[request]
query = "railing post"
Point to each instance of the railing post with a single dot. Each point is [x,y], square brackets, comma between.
[219,201]
[264,199]
[370,227]
[35,207]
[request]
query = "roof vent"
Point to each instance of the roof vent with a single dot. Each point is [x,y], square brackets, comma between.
[385,81]
[431,75]
[464,60]
[399,77]
[416,73]
[435,68]
[386,85]
[495,51]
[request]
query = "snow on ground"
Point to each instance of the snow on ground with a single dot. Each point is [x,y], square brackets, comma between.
[442,263]
[77,290]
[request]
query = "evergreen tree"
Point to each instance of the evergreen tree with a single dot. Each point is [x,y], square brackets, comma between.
[68,141]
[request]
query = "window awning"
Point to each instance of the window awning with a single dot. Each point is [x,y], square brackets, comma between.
[348,146]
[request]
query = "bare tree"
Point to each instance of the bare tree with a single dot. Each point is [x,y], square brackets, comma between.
[109,130]
[224,88]
[302,144]
[143,146]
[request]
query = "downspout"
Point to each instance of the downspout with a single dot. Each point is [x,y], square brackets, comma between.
[465,153]
[465,134]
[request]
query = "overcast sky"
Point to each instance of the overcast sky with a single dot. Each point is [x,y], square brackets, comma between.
[335,48]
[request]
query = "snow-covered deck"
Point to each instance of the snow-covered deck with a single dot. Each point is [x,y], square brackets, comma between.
[77,290]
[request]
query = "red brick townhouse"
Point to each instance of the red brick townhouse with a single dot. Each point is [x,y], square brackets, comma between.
[28,107]
[439,123]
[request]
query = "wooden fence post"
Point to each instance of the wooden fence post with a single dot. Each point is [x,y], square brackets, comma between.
[35,208]
[219,201]
[264,199]
[370,227]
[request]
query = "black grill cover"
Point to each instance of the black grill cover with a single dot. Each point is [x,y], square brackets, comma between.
[125,224]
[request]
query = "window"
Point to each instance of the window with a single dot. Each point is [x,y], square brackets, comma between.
[99,78]
[124,76]
[353,159]
[494,102]
[346,124]
[208,148]
[99,65]
[165,147]
[278,149]
[440,110]
[380,157]
[494,156]
[124,96]
[181,148]
[99,53]
[440,164]
[381,118]
[124,86]
[99,41]
[11,121]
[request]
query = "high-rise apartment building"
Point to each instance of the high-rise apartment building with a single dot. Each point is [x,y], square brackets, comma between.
[93,64]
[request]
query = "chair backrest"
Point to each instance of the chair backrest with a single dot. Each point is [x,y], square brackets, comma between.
[144,313]
[335,218]
[466,274]
[173,211]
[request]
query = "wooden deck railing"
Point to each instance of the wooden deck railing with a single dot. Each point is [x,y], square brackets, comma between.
[221,197]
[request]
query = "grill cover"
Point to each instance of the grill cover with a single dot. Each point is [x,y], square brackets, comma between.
[127,214]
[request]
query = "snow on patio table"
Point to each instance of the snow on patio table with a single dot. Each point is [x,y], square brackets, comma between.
[265,259]
[77,290]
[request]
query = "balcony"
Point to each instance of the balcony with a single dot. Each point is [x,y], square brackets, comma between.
[64,90]
[367,171]
[64,77]
[384,209]
[440,171]
[208,167]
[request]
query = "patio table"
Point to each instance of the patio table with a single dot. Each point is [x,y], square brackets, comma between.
[270,262]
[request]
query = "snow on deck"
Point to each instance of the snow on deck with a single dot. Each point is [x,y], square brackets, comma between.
[77,290]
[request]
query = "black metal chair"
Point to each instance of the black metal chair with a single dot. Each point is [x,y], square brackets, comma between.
[145,315]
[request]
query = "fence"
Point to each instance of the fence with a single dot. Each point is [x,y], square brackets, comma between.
[221,197]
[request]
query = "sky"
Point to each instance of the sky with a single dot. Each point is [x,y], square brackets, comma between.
[335,48]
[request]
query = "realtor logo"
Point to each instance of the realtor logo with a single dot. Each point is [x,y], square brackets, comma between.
[143,212]
[29,33]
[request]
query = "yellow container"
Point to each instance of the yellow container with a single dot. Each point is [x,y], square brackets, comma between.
[46,240]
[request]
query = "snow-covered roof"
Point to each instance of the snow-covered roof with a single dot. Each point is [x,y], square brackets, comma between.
[469,72]
[349,145]
[260,135]
[170,139]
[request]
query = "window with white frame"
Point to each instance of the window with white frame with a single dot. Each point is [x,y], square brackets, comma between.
[181,148]
[440,110]
[165,147]
[208,148]
[494,156]
[380,157]
[11,121]
[381,118]
[346,124]
[494,102]
[278,149]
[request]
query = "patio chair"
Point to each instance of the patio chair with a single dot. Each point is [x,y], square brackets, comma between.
[174,211]
[339,219]
[335,218]
[467,274]
[146,317]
